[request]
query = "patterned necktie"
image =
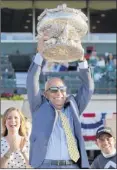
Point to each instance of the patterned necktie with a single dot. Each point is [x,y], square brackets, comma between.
[71,143]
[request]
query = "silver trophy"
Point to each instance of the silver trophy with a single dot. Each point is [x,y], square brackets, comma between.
[65,28]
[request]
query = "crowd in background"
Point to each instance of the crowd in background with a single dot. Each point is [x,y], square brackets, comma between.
[102,65]
[107,61]
[103,70]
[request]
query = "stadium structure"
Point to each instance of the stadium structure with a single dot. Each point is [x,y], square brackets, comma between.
[18,46]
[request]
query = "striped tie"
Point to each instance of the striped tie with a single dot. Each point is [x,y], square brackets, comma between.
[71,143]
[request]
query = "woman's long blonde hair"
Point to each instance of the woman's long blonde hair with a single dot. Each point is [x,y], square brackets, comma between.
[22,129]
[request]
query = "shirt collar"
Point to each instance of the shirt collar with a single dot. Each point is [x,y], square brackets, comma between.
[67,102]
[109,155]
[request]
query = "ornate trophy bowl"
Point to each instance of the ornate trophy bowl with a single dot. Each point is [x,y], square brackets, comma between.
[65,28]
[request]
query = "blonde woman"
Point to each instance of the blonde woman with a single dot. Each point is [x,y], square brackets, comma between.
[14,141]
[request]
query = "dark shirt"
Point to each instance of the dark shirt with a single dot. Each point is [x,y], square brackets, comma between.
[101,162]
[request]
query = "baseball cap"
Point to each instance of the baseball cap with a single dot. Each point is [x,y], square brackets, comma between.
[103,130]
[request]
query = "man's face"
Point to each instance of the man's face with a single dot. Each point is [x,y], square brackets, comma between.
[56,92]
[106,143]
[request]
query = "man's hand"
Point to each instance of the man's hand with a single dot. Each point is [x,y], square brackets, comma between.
[40,45]
[82,59]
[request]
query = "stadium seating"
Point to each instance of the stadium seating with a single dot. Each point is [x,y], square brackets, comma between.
[8,81]
[104,78]
[105,84]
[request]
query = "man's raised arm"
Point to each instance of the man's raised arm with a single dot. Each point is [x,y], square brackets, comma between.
[87,86]
[33,89]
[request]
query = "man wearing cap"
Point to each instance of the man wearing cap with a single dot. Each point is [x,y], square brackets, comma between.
[106,142]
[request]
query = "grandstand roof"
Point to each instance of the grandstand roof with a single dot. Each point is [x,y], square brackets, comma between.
[26,4]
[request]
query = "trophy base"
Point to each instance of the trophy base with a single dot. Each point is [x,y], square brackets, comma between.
[63,53]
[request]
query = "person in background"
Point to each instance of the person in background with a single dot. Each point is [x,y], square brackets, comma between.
[89,50]
[106,143]
[110,59]
[115,63]
[60,67]
[110,63]
[14,141]
[101,62]
[56,140]
[93,58]
[73,66]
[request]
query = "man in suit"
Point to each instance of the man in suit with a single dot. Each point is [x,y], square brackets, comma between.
[56,140]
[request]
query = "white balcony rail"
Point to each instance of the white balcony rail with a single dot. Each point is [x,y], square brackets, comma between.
[28,38]
[100,37]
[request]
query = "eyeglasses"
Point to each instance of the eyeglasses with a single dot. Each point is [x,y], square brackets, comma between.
[56,89]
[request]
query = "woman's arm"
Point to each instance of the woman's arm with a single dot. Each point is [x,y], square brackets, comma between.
[26,159]
[25,152]
[4,160]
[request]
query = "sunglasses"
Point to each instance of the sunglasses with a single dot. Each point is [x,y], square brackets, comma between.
[56,89]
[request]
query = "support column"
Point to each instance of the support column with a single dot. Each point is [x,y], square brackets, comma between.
[88,15]
[33,21]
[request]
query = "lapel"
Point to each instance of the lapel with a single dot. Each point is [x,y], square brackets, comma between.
[74,106]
